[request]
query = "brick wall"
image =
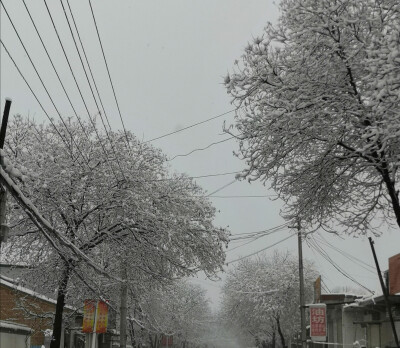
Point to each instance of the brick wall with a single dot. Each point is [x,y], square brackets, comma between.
[27,309]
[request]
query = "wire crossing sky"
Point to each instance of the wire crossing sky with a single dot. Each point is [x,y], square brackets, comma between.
[157,69]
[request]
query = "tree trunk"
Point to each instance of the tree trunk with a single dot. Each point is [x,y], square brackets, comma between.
[150,340]
[132,333]
[394,195]
[280,333]
[58,318]
[273,339]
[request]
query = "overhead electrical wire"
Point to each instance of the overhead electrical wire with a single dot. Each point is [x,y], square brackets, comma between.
[259,251]
[326,286]
[91,90]
[212,175]
[347,255]
[40,79]
[221,188]
[201,149]
[55,70]
[246,235]
[194,177]
[79,89]
[86,59]
[253,239]
[192,125]
[255,235]
[325,255]
[37,99]
[108,72]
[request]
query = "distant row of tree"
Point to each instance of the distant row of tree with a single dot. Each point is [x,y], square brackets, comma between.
[261,299]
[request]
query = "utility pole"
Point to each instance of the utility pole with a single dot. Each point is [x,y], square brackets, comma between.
[3,192]
[385,294]
[301,279]
[123,308]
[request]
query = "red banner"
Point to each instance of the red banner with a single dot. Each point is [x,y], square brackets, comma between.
[102,317]
[89,310]
[394,274]
[318,322]
[167,341]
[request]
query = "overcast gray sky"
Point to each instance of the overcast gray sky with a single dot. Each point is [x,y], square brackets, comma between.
[167,60]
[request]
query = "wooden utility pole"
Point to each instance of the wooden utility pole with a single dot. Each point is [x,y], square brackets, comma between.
[123,308]
[3,192]
[385,294]
[301,280]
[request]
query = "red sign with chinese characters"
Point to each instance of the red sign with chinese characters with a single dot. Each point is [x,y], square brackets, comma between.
[394,274]
[167,341]
[102,317]
[89,309]
[95,313]
[318,322]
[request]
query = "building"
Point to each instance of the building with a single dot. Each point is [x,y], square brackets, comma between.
[22,306]
[14,335]
[363,320]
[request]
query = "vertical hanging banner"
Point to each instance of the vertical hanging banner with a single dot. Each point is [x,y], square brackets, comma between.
[89,310]
[102,317]
[167,341]
[394,274]
[318,322]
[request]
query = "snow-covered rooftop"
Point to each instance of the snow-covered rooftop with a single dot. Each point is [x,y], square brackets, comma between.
[11,283]
[13,326]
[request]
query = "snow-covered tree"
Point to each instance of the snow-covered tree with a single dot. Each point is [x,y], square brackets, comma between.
[261,297]
[180,309]
[109,201]
[319,120]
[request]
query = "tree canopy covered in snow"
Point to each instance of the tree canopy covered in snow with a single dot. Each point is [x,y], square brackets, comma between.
[109,203]
[181,310]
[261,297]
[319,119]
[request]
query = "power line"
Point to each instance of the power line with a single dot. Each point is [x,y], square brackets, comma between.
[201,149]
[212,175]
[221,188]
[108,72]
[33,93]
[55,70]
[86,59]
[349,257]
[40,78]
[267,230]
[313,243]
[253,239]
[259,251]
[79,89]
[326,286]
[192,125]
[194,177]
[91,89]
